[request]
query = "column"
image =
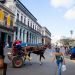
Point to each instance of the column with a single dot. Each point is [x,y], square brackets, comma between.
[44,40]
[36,39]
[31,38]
[25,36]
[22,35]
[18,36]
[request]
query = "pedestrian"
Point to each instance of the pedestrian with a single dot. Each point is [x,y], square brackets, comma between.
[1,54]
[59,56]
[3,65]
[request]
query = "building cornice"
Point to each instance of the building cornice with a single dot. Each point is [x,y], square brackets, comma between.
[46,37]
[6,9]
[25,10]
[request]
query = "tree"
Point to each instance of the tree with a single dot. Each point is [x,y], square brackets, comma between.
[67,41]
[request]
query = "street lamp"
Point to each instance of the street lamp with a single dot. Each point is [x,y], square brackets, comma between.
[71,32]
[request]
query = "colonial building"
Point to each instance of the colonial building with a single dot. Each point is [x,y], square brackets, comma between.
[6,24]
[46,36]
[27,28]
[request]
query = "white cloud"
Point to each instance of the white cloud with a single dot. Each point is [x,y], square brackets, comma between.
[55,38]
[70,14]
[70,4]
[62,3]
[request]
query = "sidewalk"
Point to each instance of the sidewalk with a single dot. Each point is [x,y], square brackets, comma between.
[68,58]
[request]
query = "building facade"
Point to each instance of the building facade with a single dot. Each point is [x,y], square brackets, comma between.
[6,24]
[27,28]
[46,36]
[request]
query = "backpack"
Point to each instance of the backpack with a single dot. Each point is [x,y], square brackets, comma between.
[59,58]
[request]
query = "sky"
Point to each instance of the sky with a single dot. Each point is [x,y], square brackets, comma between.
[57,15]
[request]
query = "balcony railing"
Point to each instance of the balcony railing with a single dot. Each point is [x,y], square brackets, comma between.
[3,25]
[28,27]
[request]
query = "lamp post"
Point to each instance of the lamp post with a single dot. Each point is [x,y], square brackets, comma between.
[71,32]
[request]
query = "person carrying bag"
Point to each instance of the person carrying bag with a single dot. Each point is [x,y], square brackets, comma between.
[59,56]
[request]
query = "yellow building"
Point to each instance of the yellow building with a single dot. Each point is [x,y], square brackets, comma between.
[6,24]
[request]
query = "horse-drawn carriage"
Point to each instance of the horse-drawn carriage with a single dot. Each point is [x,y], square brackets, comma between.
[23,53]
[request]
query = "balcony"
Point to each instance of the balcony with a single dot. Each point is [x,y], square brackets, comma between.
[27,27]
[5,27]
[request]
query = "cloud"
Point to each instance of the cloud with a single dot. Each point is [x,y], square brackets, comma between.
[55,38]
[68,4]
[70,14]
[62,3]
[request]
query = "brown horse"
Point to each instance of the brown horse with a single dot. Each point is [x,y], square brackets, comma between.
[39,50]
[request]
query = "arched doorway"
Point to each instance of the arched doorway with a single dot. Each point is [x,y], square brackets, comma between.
[20,34]
[23,35]
[27,36]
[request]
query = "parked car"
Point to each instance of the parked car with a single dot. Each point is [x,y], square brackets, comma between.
[72,53]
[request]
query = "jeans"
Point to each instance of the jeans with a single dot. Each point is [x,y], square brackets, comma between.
[59,64]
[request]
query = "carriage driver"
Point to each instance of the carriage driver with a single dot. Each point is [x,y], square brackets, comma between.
[14,51]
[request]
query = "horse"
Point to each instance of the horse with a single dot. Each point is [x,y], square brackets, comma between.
[39,50]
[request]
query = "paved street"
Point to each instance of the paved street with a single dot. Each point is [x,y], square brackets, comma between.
[47,68]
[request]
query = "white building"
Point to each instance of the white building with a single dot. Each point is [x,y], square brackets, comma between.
[26,25]
[46,38]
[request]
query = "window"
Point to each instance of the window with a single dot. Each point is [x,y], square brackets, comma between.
[33,26]
[31,23]
[21,18]
[17,16]
[23,35]
[28,22]
[25,20]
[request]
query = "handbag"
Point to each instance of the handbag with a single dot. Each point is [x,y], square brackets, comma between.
[63,68]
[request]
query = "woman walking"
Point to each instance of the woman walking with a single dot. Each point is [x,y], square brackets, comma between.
[59,56]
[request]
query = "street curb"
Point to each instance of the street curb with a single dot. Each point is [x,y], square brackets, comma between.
[70,60]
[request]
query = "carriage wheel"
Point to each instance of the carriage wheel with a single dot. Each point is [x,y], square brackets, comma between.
[17,62]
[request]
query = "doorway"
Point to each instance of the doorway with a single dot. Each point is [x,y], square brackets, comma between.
[3,36]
